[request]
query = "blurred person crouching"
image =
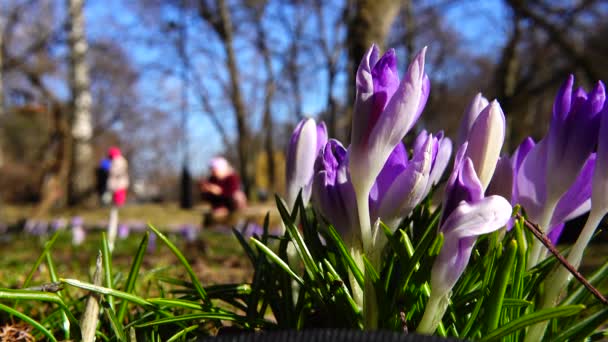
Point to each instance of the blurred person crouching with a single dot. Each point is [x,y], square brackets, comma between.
[222,190]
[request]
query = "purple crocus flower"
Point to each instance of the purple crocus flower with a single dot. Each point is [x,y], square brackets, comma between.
[442,151]
[466,215]
[189,232]
[306,141]
[332,190]
[475,107]
[385,110]
[485,139]
[572,136]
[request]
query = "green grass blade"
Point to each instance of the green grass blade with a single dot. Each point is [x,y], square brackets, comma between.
[197,284]
[182,332]
[532,318]
[47,247]
[109,292]
[277,260]
[117,327]
[494,302]
[133,273]
[176,303]
[346,255]
[245,246]
[199,316]
[37,296]
[296,237]
[107,266]
[65,324]
[584,328]
[578,295]
[29,320]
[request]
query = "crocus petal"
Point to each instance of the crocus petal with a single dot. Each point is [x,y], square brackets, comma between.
[394,166]
[321,136]
[475,107]
[600,176]
[572,137]
[301,155]
[407,189]
[576,201]
[332,191]
[463,185]
[485,141]
[481,217]
[555,232]
[440,162]
[530,182]
[502,180]
[461,229]
[375,136]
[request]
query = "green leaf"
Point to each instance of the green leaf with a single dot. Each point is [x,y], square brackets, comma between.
[583,328]
[197,284]
[47,247]
[499,287]
[37,296]
[107,266]
[106,291]
[133,273]
[176,303]
[199,316]
[29,320]
[182,332]
[296,237]
[532,318]
[277,260]
[245,246]
[117,328]
[64,313]
[358,275]
[581,292]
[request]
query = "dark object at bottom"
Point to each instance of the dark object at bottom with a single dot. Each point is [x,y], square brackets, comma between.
[330,335]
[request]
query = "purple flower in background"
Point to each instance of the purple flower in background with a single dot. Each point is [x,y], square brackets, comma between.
[151,248]
[385,110]
[123,231]
[502,180]
[189,232]
[477,105]
[252,229]
[58,224]
[306,141]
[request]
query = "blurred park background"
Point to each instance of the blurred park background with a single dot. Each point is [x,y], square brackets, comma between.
[175,83]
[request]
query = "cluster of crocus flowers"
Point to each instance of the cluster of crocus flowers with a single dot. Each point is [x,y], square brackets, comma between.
[552,179]
[468,211]
[564,176]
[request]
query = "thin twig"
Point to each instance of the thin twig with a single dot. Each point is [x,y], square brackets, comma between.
[535,229]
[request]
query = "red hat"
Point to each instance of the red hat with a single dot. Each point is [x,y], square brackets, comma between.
[114,152]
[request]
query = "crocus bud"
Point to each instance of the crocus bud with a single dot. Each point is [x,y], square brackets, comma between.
[332,191]
[485,141]
[573,134]
[477,105]
[385,110]
[306,141]
[407,187]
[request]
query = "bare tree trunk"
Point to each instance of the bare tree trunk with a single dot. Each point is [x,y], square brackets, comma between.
[220,19]
[506,81]
[81,175]
[269,94]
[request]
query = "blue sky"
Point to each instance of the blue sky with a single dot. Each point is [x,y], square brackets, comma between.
[480,24]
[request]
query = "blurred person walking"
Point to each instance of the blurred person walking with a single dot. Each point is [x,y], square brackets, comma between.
[118,183]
